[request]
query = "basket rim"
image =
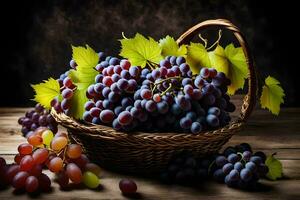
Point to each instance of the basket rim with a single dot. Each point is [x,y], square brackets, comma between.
[108,132]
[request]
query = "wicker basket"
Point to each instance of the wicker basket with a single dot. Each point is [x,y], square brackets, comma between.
[147,153]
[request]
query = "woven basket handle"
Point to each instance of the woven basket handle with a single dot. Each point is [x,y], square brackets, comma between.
[250,98]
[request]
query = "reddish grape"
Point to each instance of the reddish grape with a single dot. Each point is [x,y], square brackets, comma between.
[68,82]
[27,163]
[62,179]
[35,140]
[25,149]
[146,94]
[67,93]
[2,162]
[36,170]
[50,157]
[59,143]
[157,98]
[125,118]
[44,182]
[61,134]
[212,72]
[39,131]
[11,172]
[107,81]
[31,184]
[74,173]
[74,151]
[125,64]
[106,116]
[81,161]
[163,71]
[204,72]
[55,164]
[110,70]
[18,158]
[19,180]
[92,167]
[127,186]
[117,69]
[40,155]
[95,112]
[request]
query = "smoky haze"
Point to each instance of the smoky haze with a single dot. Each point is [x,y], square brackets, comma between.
[39,39]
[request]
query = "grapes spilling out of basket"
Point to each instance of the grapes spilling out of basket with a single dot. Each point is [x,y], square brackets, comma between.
[167,98]
[237,167]
[54,152]
[35,118]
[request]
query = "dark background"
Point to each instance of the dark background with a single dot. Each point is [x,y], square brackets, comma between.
[37,35]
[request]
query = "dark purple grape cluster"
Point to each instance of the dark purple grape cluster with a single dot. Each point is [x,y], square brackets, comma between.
[67,88]
[166,98]
[240,167]
[237,167]
[186,168]
[35,118]
[111,97]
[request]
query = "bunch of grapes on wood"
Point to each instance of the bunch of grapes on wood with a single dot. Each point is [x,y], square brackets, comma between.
[35,118]
[54,152]
[237,167]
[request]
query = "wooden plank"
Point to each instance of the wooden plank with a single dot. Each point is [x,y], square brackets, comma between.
[291,168]
[287,188]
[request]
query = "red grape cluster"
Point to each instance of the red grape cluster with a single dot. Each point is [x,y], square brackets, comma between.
[55,152]
[35,118]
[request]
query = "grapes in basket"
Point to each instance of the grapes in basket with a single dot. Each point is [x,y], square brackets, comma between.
[130,98]
[153,87]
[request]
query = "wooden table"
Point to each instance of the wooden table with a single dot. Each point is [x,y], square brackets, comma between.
[263,131]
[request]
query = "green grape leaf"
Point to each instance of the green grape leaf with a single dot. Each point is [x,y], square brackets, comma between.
[78,100]
[140,50]
[275,168]
[171,48]
[232,62]
[46,91]
[86,60]
[272,95]
[84,75]
[197,57]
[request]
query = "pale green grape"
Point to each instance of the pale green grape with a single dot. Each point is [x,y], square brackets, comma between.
[47,136]
[90,180]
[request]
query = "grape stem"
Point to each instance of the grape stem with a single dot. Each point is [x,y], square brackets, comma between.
[123,35]
[65,150]
[152,65]
[164,80]
[242,157]
[210,166]
[169,88]
[205,41]
[216,42]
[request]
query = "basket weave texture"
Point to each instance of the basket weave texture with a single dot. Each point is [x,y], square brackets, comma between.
[148,153]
